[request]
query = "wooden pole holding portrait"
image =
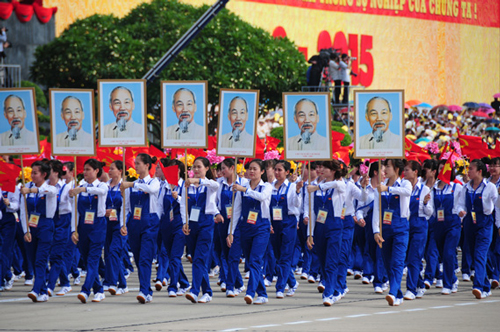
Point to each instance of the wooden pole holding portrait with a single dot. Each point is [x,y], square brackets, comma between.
[24,196]
[379,129]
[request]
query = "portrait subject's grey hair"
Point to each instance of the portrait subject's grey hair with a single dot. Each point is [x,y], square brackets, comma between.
[120,87]
[378,98]
[304,100]
[68,98]
[183,89]
[12,96]
[239,98]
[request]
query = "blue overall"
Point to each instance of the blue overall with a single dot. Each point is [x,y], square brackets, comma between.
[447,234]
[201,237]
[7,238]
[478,235]
[91,242]
[115,242]
[254,241]
[283,240]
[21,260]
[396,243]
[62,225]
[143,234]
[232,255]
[493,267]
[328,241]
[173,238]
[38,250]
[416,244]
[345,253]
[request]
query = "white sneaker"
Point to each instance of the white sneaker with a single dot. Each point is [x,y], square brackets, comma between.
[165,282]
[465,277]
[141,297]
[182,291]
[18,277]
[292,290]
[192,297]
[214,272]
[8,284]
[267,283]
[76,282]
[336,299]
[298,271]
[83,297]
[279,295]
[42,298]
[205,298]
[409,296]
[287,287]
[105,288]
[478,294]
[405,271]
[358,275]
[83,273]
[350,272]
[391,300]
[303,276]
[454,287]
[398,302]
[311,279]
[222,286]
[385,286]
[237,291]
[261,300]
[378,290]
[344,293]
[365,281]
[28,282]
[248,299]
[33,296]
[158,285]
[328,301]
[275,278]
[149,298]
[420,293]
[98,297]
[247,275]
[230,293]
[172,294]
[64,290]
[121,291]
[494,284]
[445,291]
[321,287]
[127,274]
[112,290]
[427,284]
[50,292]
[439,283]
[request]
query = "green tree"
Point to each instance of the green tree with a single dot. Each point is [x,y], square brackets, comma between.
[228,53]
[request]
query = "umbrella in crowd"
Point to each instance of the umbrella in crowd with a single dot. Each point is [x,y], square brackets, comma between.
[471,104]
[484,105]
[492,129]
[424,105]
[413,102]
[479,114]
[439,108]
[496,95]
[493,121]
[455,108]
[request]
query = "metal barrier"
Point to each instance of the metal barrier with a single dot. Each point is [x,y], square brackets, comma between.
[10,76]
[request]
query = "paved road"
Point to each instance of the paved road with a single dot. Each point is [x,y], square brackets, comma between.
[360,310]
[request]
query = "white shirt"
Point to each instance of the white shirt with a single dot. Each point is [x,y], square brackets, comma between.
[424,210]
[338,200]
[83,139]
[334,71]
[164,190]
[223,184]
[66,203]
[317,142]
[352,193]
[264,197]
[14,199]
[208,186]
[497,204]
[389,141]
[132,130]
[293,200]
[116,188]
[195,131]
[50,194]
[345,71]
[401,187]
[99,189]
[447,190]
[365,204]
[489,196]
[26,137]
[151,187]
[245,141]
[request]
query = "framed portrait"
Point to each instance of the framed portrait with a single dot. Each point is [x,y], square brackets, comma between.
[122,113]
[378,124]
[19,129]
[184,114]
[237,125]
[307,126]
[72,123]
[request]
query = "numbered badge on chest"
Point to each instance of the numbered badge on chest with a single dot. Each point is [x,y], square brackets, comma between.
[440,214]
[113,216]
[252,217]
[195,214]
[277,213]
[229,211]
[387,218]
[137,212]
[321,218]
[89,217]
[171,215]
[34,219]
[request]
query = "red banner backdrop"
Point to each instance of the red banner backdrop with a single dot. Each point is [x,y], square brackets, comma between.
[474,12]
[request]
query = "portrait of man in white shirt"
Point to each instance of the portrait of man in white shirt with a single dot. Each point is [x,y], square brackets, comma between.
[14,111]
[378,114]
[306,117]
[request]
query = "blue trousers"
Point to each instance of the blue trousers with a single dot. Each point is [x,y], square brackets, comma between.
[201,237]
[62,225]
[7,237]
[432,256]
[328,243]
[220,234]
[416,247]
[302,249]
[233,254]
[345,253]
[394,254]
[494,255]
[20,260]
[478,237]
[173,242]
[113,252]
[373,261]
[38,251]
[447,235]
[269,262]
[283,242]
[142,235]
[254,241]
[358,249]
[90,244]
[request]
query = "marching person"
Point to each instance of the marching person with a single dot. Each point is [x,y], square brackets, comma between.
[62,224]
[41,203]
[478,202]
[114,281]
[232,255]
[447,227]
[421,209]
[251,215]
[9,218]
[91,207]
[494,256]
[202,206]
[284,211]
[141,206]
[396,194]
[327,205]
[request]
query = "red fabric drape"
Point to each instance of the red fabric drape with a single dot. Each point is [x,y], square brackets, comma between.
[24,13]
[44,14]
[6,10]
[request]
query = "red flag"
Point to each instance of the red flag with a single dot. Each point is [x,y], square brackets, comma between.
[212,142]
[152,171]
[445,174]
[472,146]
[336,140]
[131,153]
[171,173]
[8,175]
[342,154]
[154,151]
[412,147]
[259,148]
[272,143]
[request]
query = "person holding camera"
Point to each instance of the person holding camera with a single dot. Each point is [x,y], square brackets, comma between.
[335,75]
[3,40]
[345,69]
